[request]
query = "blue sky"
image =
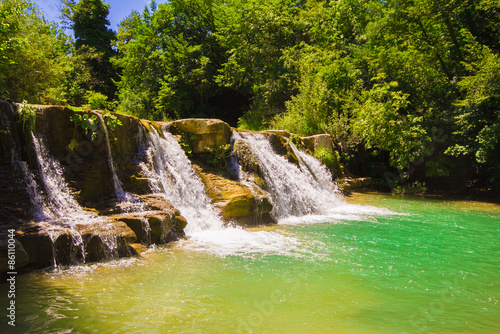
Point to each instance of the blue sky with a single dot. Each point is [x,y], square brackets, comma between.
[118,9]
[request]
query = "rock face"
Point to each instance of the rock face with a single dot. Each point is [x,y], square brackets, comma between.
[21,257]
[202,135]
[312,143]
[84,157]
[356,183]
[237,203]
[159,223]
[87,242]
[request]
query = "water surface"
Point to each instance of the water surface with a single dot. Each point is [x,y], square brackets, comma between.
[431,268]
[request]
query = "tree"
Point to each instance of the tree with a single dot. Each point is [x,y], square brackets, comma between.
[33,54]
[93,46]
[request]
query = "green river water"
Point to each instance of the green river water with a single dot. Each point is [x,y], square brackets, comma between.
[432,268]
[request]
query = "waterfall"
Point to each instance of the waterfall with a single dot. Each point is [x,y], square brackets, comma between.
[39,209]
[297,191]
[60,201]
[116,182]
[128,201]
[171,175]
[57,211]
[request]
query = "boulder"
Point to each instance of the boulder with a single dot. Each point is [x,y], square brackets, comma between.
[313,143]
[165,222]
[138,249]
[237,203]
[156,227]
[106,239]
[202,135]
[280,133]
[355,183]
[246,159]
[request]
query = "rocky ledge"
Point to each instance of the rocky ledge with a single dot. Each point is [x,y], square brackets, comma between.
[84,158]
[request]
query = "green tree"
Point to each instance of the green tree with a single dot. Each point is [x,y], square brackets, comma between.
[93,45]
[33,54]
[256,34]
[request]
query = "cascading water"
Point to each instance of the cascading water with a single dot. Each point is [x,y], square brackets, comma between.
[60,202]
[58,212]
[171,175]
[296,190]
[299,193]
[128,202]
[39,209]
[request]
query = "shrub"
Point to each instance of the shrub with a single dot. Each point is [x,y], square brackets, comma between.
[330,160]
[96,100]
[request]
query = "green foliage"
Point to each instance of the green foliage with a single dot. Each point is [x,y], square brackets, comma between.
[218,158]
[88,122]
[330,160]
[28,115]
[414,189]
[32,54]
[91,69]
[111,120]
[96,101]
[378,117]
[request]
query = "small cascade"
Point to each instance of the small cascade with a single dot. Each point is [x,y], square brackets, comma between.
[147,231]
[59,201]
[116,182]
[295,190]
[129,202]
[170,174]
[56,210]
[312,166]
[39,209]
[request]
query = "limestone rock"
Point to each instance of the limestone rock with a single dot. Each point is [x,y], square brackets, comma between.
[355,183]
[236,202]
[312,143]
[202,135]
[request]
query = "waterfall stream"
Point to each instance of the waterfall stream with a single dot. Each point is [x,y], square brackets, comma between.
[56,210]
[299,193]
[171,175]
[296,191]
[128,202]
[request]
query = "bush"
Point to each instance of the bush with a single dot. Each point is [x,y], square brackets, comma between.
[413,189]
[330,160]
[96,101]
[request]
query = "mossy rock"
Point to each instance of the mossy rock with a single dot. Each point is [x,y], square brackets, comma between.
[247,160]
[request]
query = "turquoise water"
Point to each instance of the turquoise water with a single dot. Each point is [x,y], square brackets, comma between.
[432,268]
